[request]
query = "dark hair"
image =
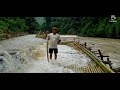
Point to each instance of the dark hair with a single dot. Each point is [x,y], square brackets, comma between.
[54,28]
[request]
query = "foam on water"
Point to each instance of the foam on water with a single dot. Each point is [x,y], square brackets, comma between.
[69,36]
[66,57]
[6,62]
[30,57]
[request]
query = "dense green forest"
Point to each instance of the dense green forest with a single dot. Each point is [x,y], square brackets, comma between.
[19,24]
[84,26]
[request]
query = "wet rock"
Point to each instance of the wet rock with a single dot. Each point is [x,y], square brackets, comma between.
[1,59]
[2,54]
[12,52]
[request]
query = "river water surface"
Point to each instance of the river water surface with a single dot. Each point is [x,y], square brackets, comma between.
[27,54]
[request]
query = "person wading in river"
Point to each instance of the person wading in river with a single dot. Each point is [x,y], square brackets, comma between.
[53,39]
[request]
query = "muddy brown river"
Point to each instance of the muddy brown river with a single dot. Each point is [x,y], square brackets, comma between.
[27,54]
[110,47]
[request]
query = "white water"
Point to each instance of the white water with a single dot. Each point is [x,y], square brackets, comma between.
[69,36]
[66,56]
[30,57]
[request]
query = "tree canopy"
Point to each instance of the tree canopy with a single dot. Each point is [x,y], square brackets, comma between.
[84,26]
[19,24]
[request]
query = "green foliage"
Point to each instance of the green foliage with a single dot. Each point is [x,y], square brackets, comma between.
[19,24]
[71,32]
[84,26]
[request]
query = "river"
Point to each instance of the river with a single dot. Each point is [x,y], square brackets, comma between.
[27,54]
[110,47]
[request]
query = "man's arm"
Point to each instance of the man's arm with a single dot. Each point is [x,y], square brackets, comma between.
[59,40]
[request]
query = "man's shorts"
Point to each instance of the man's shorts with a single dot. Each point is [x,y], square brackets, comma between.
[53,49]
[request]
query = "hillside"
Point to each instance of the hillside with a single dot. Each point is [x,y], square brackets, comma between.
[40,20]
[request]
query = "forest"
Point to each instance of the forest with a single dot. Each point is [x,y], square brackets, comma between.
[19,24]
[81,26]
[84,26]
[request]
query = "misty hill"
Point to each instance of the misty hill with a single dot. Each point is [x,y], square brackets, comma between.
[40,20]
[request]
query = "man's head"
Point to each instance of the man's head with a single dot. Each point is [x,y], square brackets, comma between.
[54,30]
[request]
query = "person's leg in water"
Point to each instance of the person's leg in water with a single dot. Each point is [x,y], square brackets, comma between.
[51,56]
[55,56]
[50,51]
[55,52]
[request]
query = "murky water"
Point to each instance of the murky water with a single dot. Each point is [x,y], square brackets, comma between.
[110,47]
[27,54]
[16,54]
[66,56]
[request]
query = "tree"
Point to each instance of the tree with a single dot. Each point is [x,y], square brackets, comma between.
[85,26]
[19,24]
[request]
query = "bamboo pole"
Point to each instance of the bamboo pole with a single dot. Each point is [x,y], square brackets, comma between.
[47,52]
